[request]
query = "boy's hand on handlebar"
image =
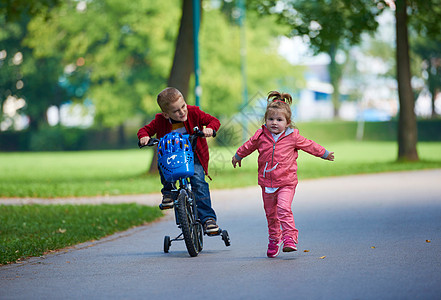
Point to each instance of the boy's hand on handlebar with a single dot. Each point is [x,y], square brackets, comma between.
[207,132]
[144,140]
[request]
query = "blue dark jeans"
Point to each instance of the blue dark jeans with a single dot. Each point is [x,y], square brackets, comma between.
[200,190]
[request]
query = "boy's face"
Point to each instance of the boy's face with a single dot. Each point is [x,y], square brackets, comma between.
[177,111]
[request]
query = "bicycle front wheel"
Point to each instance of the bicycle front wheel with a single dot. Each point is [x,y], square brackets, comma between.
[188,224]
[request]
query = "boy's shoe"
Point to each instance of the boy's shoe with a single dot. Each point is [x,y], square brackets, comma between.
[274,248]
[289,245]
[210,226]
[167,201]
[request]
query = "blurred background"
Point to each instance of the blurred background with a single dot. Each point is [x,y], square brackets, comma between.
[84,74]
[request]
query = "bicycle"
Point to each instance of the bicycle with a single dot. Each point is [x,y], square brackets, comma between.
[176,162]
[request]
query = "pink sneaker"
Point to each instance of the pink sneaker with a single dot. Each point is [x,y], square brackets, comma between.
[289,245]
[274,248]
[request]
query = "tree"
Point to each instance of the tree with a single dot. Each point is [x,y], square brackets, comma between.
[328,26]
[24,76]
[183,60]
[429,50]
[122,48]
[356,17]
[430,53]
[221,78]
[14,10]
[424,17]
[220,59]
[407,126]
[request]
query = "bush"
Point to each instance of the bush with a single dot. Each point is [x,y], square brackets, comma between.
[57,138]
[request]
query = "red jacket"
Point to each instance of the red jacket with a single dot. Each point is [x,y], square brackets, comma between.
[196,117]
[277,162]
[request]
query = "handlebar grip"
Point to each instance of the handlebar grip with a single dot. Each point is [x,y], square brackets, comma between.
[199,132]
[151,143]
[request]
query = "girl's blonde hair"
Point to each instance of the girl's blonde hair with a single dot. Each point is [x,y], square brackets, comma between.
[281,102]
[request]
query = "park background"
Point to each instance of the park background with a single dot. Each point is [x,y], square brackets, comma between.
[79,78]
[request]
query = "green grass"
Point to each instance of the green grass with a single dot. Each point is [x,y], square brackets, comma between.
[91,173]
[32,230]
[85,173]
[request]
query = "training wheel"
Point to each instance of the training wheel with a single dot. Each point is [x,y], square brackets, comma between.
[167,243]
[226,238]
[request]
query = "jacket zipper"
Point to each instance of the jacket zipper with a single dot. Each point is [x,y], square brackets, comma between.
[272,162]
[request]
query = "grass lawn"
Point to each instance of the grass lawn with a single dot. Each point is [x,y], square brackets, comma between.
[120,172]
[32,230]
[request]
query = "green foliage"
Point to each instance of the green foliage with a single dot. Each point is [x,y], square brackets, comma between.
[327,26]
[424,18]
[325,23]
[119,55]
[24,76]
[125,48]
[57,138]
[32,230]
[221,76]
[429,67]
[15,9]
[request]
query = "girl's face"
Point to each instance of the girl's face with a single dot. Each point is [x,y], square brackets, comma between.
[276,121]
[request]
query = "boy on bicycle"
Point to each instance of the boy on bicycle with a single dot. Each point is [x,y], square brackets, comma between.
[177,116]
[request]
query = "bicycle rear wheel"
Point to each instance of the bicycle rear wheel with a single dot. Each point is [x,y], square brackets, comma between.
[189,225]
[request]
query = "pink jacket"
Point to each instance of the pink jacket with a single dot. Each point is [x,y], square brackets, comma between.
[277,162]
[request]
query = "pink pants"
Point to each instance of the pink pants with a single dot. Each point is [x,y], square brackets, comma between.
[279,214]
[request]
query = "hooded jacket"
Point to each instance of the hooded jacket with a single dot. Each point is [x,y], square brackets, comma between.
[277,162]
[196,117]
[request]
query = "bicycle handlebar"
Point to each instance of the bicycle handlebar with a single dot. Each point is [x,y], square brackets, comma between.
[155,141]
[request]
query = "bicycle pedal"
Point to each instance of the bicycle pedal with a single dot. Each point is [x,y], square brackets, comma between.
[213,233]
[164,207]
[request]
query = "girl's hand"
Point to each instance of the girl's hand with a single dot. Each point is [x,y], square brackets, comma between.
[330,156]
[144,140]
[234,161]
[207,131]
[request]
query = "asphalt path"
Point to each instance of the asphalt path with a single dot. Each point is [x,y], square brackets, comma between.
[361,237]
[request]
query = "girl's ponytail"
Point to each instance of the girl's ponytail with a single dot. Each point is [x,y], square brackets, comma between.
[277,96]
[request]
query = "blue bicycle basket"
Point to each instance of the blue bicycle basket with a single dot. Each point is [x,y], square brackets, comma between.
[175,157]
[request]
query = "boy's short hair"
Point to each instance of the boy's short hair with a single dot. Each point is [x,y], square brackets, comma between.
[167,96]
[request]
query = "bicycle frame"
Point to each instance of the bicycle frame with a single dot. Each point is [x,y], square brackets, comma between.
[185,207]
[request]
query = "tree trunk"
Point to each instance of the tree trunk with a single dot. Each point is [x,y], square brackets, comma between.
[183,60]
[434,95]
[433,73]
[407,126]
[122,140]
[335,76]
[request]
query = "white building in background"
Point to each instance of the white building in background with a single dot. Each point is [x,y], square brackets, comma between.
[71,115]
